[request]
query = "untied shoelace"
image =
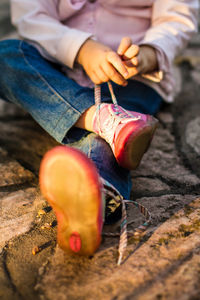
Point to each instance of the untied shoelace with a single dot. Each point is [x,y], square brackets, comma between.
[110,190]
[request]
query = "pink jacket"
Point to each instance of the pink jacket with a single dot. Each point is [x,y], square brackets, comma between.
[58,28]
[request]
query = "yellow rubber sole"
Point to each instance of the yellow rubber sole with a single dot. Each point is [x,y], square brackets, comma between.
[70,183]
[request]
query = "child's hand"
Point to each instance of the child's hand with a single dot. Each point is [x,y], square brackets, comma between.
[137,59]
[101,63]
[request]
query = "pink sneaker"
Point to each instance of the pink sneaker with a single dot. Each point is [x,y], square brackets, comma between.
[128,133]
[71,184]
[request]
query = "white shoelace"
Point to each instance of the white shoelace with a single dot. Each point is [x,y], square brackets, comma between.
[109,189]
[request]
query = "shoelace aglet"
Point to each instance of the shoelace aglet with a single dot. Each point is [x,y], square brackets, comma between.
[119,259]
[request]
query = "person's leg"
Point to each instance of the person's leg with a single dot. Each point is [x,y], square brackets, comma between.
[56,103]
[99,151]
[39,87]
[135,97]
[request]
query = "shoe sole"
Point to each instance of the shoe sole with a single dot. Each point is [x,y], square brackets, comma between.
[70,183]
[132,148]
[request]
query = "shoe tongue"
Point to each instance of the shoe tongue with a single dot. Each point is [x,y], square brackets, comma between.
[100,116]
[109,120]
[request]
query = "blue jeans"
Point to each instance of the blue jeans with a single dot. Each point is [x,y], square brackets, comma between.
[56,102]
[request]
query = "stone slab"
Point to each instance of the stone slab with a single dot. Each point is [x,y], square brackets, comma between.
[16,213]
[192,135]
[173,247]
[19,262]
[25,141]
[9,111]
[148,186]
[75,273]
[11,172]
[186,115]
[163,160]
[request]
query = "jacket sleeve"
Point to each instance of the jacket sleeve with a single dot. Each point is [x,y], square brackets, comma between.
[38,22]
[172,26]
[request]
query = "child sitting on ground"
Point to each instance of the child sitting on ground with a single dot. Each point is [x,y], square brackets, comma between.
[68,48]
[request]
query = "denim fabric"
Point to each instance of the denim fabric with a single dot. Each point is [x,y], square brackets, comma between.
[56,103]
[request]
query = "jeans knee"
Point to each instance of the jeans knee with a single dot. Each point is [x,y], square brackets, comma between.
[8,48]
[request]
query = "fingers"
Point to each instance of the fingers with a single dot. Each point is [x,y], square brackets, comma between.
[132,72]
[107,71]
[94,77]
[115,60]
[113,75]
[124,45]
[126,49]
[131,52]
[134,62]
[133,66]
[101,75]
